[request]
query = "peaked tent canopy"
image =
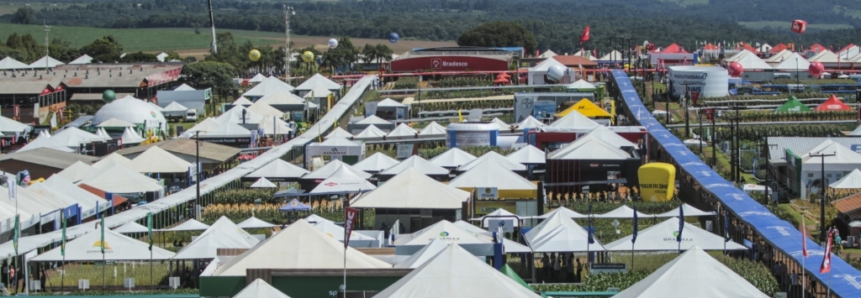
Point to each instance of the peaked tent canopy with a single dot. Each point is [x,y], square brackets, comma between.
[222,234]
[263,183]
[12,126]
[388,102]
[130,136]
[589,148]
[274,125]
[343,181]
[376,163]
[227,129]
[318,80]
[118,247]
[189,225]
[792,105]
[856,132]
[528,155]
[689,211]
[574,120]
[46,61]
[749,60]
[281,98]
[242,101]
[433,129]
[565,212]
[112,158]
[278,170]
[333,167]
[254,223]
[793,62]
[696,274]
[257,78]
[203,127]
[298,246]
[609,136]
[11,64]
[260,289]
[493,157]
[339,132]
[455,273]
[234,115]
[173,107]
[418,163]
[412,189]
[499,214]
[370,132]
[423,255]
[502,125]
[581,85]
[73,137]
[403,131]
[850,181]
[45,142]
[77,172]
[833,104]
[85,59]
[491,174]
[559,233]
[373,119]
[157,160]
[587,108]
[269,86]
[337,232]
[529,122]
[443,230]
[623,212]
[114,122]
[131,227]
[118,178]
[453,158]
[661,237]
[184,87]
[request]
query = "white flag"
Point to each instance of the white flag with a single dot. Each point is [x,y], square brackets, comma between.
[12,184]
[54,120]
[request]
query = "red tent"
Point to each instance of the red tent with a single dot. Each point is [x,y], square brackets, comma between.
[833,104]
[674,48]
[817,48]
[780,47]
[710,47]
[503,81]
[747,47]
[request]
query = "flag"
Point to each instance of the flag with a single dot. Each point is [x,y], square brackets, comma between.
[349,220]
[826,259]
[681,223]
[585,36]
[591,240]
[537,53]
[726,227]
[15,235]
[634,236]
[24,177]
[12,184]
[63,235]
[803,238]
[102,242]
[149,228]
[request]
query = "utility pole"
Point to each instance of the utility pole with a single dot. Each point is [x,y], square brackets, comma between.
[214,46]
[197,173]
[685,97]
[734,168]
[47,45]
[288,11]
[822,184]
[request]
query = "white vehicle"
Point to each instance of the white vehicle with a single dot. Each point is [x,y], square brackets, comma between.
[191,115]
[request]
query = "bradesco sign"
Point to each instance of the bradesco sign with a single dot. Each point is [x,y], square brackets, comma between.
[449,63]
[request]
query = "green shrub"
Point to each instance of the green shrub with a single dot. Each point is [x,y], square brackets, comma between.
[245,196]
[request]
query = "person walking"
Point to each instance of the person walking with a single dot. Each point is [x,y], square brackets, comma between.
[579,278]
[838,242]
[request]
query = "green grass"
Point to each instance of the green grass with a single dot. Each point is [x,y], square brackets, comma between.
[141,274]
[133,40]
[786,24]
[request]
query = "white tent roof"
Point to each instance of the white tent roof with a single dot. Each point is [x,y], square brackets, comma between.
[337,232]
[693,274]
[780,57]
[748,60]
[443,230]
[793,62]
[502,125]
[204,126]
[543,66]
[281,98]
[314,218]
[453,158]
[298,246]
[110,159]
[530,122]
[263,183]
[269,86]
[565,212]
[339,132]
[493,157]
[242,101]
[423,255]
[189,225]
[12,126]
[318,92]
[498,214]
[274,124]
[433,129]
[157,160]
[844,155]
[589,148]
[343,180]
[471,228]
[9,64]
[318,80]
[575,120]
[118,247]
[856,132]
[527,155]
[402,130]
[85,59]
[547,54]
[558,233]
[614,55]
[118,178]
[455,273]
[825,56]
[264,109]
[131,227]
[72,137]
[77,171]
[260,289]
[85,199]
[102,133]
[411,189]
[224,227]
[418,163]
[45,142]
[373,119]
[227,129]
[234,115]
[184,87]
[114,122]
[388,102]
[376,163]
[689,211]
[278,169]
[853,180]
[222,234]
[491,174]
[254,223]
[331,168]
[609,136]
[371,132]
[43,133]
[174,107]
[582,84]
[258,78]
[46,61]
[661,237]
[622,212]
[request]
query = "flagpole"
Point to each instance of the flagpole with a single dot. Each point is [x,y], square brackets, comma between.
[803,278]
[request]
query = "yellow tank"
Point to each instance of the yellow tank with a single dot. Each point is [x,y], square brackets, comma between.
[657,181]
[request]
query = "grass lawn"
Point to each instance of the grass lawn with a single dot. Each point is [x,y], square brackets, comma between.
[140,272]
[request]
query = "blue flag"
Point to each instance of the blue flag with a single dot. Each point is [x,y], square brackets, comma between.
[634,236]
[726,227]
[589,229]
[681,223]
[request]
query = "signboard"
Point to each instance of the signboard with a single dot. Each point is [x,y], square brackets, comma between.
[596,268]
[487,193]
[506,224]
[405,150]
[449,63]
[544,110]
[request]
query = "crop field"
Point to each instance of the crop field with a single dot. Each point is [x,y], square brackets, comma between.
[783,24]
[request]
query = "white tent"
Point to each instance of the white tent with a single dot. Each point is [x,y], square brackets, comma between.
[565,212]
[184,87]
[10,127]
[189,225]
[780,57]
[43,133]
[242,101]
[206,247]
[499,214]
[376,163]
[227,129]
[491,174]
[118,247]
[111,159]
[845,159]
[257,78]
[609,136]
[418,163]
[547,54]
[343,181]
[611,56]
[373,119]
[254,223]
[333,167]
[46,61]
[85,199]
[339,133]
[318,80]
[85,59]
[660,237]
[131,227]
[174,107]
[314,218]
[260,289]
[11,64]
[203,127]
[278,170]
[528,155]
[281,98]
[234,115]
[443,230]
[390,103]
[575,120]
[825,57]
[850,181]
[560,234]
[77,171]
[274,125]
[45,142]
[118,178]
[581,84]
[318,92]
[433,129]
[263,183]
[337,232]
[530,122]
[493,157]
[856,132]
[298,246]
[502,125]
[102,133]
[748,60]
[689,211]
[693,274]
[403,131]
[424,255]
[157,160]
[411,189]
[73,137]
[623,212]
[268,86]
[455,273]
[114,122]
[471,228]
[370,132]
[792,63]
[587,148]
[453,158]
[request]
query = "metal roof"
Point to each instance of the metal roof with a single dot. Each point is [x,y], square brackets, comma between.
[183,146]
[49,158]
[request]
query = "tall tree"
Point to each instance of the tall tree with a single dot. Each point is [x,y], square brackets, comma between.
[499,34]
[24,15]
[211,74]
[107,49]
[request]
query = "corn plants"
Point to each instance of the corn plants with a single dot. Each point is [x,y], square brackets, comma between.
[407,83]
[464,82]
[240,196]
[799,130]
[769,116]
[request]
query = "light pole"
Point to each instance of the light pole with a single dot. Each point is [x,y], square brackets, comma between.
[197,173]
[288,11]
[214,46]
[47,46]
[822,194]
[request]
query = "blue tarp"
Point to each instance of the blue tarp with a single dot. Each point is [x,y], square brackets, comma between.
[295,205]
[845,279]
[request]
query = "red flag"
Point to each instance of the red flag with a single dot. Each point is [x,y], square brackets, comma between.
[803,238]
[585,35]
[695,95]
[537,53]
[826,260]
[595,53]
[350,217]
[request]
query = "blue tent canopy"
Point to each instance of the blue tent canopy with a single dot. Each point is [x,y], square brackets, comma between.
[295,205]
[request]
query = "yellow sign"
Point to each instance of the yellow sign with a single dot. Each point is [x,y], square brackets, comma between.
[657,181]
